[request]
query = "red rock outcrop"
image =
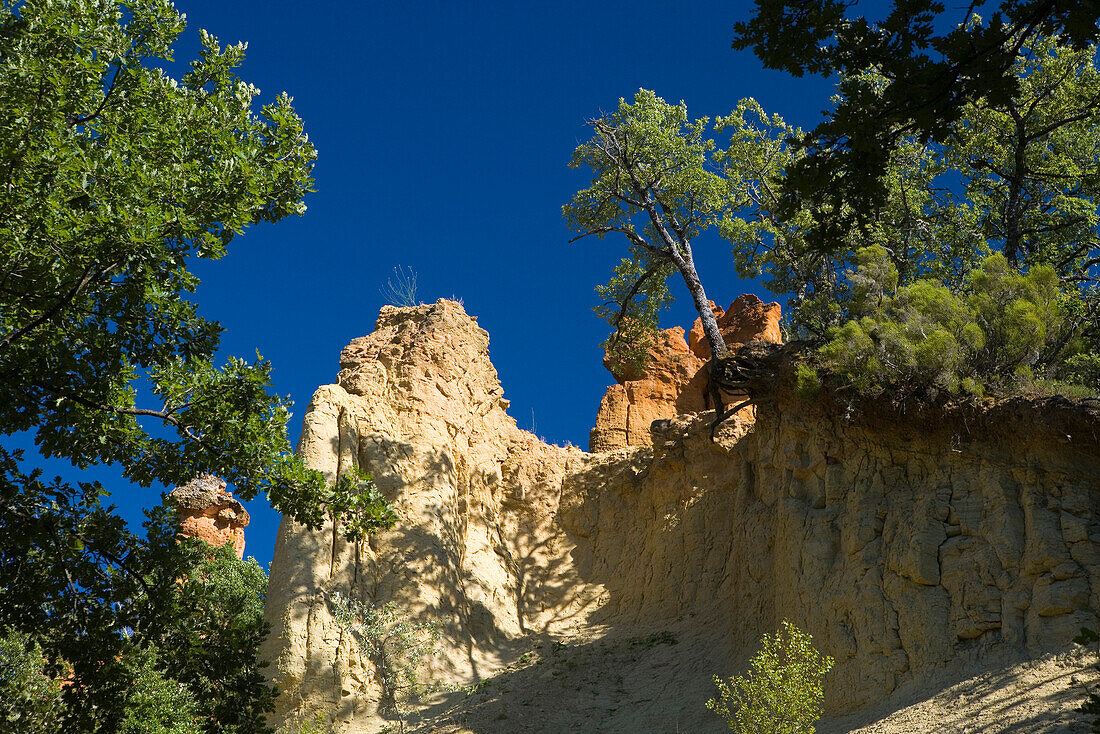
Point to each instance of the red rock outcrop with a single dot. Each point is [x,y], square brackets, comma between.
[210,513]
[675,380]
[748,319]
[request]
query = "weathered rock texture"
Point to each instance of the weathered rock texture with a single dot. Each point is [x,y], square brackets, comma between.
[674,382]
[210,513]
[748,319]
[607,589]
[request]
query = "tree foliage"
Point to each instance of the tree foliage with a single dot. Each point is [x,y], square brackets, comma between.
[659,179]
[938,59]
[117,176]
[1016,180]
[923,339]
[114,179]
[153,702]
[977,269]
[217,628]
[655,182]
[30,700]
[782,692]
[145,624]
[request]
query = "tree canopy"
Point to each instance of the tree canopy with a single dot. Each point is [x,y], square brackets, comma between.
[976,270]
[658,181]
[654,183]
[115,178]
[1002,215]
[147,631]
[116,175]
[937,59]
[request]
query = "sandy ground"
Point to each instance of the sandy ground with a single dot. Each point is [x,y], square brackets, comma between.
[619,685]
[1038,697]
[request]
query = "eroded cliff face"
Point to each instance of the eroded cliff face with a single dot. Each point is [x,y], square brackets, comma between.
[478,547]
[914,550]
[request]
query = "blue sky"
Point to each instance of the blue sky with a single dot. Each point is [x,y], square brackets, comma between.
[443,132]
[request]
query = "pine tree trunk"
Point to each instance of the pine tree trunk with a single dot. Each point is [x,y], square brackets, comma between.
[686,265]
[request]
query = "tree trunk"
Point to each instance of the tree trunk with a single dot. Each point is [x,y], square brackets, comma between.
[1015,186]
[686,265]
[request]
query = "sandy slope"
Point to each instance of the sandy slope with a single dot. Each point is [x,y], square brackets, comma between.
[1038,697]
[623,685]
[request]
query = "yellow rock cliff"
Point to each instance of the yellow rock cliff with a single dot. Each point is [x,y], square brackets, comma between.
[917,552]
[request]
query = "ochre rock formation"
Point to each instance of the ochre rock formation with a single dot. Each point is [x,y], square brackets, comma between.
[601,592]
[210,513]
[674,381]
[748,319]
[419,405]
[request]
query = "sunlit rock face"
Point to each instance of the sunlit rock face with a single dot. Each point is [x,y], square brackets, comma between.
[748,319]
[674,381]
[210,513]
[918,549]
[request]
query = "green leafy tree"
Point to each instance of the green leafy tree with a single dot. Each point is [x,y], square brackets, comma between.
[938,61]
[1028,162]
[661,179]
[782,693]
[154,703]
[1016,178]
[123,612]
[30,700]
[655,183]
[909,298]
[115,178]
[215,628]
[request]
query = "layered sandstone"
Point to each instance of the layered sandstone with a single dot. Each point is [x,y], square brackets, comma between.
[674,380]
[602,591]
[208,512]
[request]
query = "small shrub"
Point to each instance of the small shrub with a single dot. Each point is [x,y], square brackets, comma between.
[807,382]
[782,693]
[398,645]
[400,290]
[316,724]
[924,338]
[1084,369]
